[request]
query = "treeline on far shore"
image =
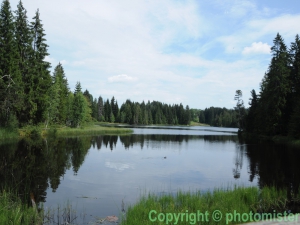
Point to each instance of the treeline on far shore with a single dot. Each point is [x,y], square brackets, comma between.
[30,95]
[216,116]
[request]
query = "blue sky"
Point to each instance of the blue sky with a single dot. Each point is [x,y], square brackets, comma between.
[197,53]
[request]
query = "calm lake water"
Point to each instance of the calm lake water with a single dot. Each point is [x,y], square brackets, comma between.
[96,174]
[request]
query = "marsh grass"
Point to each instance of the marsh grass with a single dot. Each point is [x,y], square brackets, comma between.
[13,211]
[56,131]
[241,199]
[199,124]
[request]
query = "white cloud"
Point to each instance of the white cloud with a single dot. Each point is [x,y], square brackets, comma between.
[121,78]
[257,48]
[104,43]
[63,62]
[287,25]
[50,60]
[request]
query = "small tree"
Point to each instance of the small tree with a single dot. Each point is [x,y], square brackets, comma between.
[78,106]
[240,109]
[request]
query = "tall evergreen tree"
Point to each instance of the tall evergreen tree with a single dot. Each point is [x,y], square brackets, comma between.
[10,76]
[61,81]
[294,120]
[274,90]
[53,100]
[24,41]
[240,108]
[78,106]
[250,120]
[41,78]
[100,109]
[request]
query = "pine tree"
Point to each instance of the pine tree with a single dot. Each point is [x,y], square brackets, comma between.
[95,109]
[41,79]
[11,97]
[187,115]
[274,90]
[250,120]
[100,109]
[294,120]
[24,40]
[70,112]
[61,81]
[53,100]
[78,107]
[240,109]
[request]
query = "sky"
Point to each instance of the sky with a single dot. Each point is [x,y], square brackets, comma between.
[197,53]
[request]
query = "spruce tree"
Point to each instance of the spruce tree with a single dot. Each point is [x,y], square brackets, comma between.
[275,88]
[240,109]
[100,108]
[60,79]
[78,107]
[41,78]
[53,100]
[23,37]
[11,97]
[294,120]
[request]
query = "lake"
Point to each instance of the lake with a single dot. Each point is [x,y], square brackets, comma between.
[101,175]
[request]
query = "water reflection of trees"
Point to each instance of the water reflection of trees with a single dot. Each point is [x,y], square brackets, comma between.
[274,164]
[31,166]
[129,141]
[238,160]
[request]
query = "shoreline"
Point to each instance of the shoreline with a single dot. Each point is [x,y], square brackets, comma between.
[278,139]
[36,131]
[184,207]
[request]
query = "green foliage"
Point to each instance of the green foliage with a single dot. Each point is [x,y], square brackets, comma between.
[13,211]
[53,100]
[78,107]
[275,111]
[29,95]
[40,80]
[10,77]
[154,113]
[100,109]
[240,199]
[219,117]
[61,82]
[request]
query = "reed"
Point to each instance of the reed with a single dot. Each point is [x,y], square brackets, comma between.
[239,199]
[13,211]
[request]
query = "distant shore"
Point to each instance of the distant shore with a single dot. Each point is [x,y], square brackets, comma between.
[61,131]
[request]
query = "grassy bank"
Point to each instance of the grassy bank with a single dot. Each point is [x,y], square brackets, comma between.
[89,129]
[193,208]
[13,211]
[199,124]
[192,123]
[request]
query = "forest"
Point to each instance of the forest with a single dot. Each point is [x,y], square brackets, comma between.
[31,95]
[216,116]
[275,110]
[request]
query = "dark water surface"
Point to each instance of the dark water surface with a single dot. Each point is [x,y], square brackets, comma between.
[95,174]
